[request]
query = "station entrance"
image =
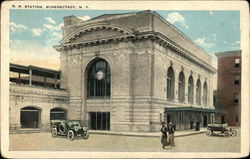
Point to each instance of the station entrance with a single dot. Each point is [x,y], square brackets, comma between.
[99,120]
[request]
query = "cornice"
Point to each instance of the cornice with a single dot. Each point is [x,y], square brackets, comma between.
[156,37]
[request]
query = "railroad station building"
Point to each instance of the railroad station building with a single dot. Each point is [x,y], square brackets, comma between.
[119,72]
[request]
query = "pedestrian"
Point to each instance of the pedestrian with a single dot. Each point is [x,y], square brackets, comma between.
[164,136]
[170,129]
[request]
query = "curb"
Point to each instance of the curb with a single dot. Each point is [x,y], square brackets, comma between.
[139,135]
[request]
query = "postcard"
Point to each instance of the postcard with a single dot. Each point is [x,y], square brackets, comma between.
[125,79]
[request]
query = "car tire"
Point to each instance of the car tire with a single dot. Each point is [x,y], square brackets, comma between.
[86,136]
[54,132]
[226,134]
[234,133]
[208,133]
[71,135]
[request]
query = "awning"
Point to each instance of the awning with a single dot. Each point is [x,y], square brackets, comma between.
[192,109]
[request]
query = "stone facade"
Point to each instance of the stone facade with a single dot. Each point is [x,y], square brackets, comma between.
[43,99]
[139,48]
[228,93]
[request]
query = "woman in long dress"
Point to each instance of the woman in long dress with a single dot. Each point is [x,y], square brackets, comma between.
[164,136]
[170,129]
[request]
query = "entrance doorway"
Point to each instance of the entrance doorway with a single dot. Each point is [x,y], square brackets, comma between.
[222,119]
[99,120]
[204,121]
[30,117]
[168,118]
[191,124]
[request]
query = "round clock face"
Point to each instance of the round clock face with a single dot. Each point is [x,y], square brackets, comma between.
[99,75]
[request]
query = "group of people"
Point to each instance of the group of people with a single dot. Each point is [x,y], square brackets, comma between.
[167,137]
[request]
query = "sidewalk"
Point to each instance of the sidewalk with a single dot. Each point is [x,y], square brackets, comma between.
[149,134]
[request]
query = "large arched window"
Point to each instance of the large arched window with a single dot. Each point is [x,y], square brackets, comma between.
[205,93]
[198,92]
[98,79]
[181,87]
[190,89]
[170,84]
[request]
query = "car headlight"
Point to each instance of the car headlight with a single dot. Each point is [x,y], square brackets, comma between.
[85,128]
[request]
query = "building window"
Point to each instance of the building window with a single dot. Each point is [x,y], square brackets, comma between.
[181,87]
[58,114]
[236,98]
[99,79]
[190,89]
[198,92]
[30,117]
[205,93]
[237,63]
[170,84]
[236,118]
[237,79]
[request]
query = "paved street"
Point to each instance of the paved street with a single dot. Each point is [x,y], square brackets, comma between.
[100,142]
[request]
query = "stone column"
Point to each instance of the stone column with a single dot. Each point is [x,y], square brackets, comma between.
[30,79]
[45,118]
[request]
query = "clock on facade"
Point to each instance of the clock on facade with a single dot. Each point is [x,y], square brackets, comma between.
[100,75]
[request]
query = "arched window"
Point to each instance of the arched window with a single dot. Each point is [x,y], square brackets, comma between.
[30,117]
[198,92]
[58,114]
[181,87]
[170,84]
[190,89]
[98,79]
[205,93]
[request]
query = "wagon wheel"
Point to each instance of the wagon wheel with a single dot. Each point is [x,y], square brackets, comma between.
[233,133]
[71,135]
[208,133]
[54,132]
[226,134]
[86,135]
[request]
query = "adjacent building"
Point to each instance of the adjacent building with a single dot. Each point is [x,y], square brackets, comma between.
[124,72]
[229,87]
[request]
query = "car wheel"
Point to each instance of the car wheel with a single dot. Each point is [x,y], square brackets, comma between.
[208,133]
[54,132]
[86,135]
[71,135]
[226,134]
[234,133]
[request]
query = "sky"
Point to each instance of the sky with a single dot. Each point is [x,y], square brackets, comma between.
[34,32]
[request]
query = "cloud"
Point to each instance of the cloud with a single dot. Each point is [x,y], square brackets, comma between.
[232,45]
[52,27]
[50,20]
[211,12]
[85,18]
[36,32]
[225,42]
[202,42]
[17,27]
[214,37]
[177,18]
[32,53]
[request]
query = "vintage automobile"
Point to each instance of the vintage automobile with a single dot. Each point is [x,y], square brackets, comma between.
[69,128]
[220,129]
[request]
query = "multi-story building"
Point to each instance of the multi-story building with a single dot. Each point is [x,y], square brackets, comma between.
[229,87]
[129,72]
